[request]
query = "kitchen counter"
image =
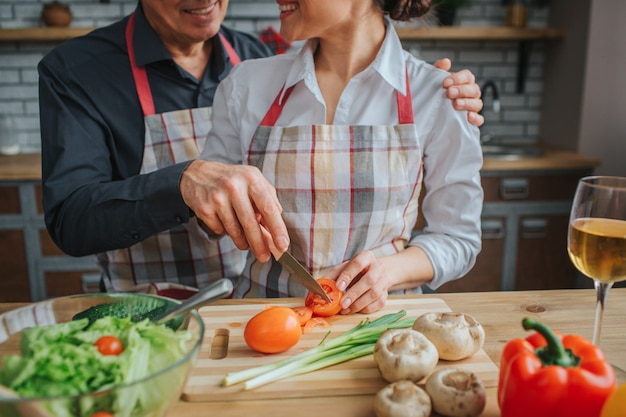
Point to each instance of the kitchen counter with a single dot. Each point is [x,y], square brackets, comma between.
[500,313]
[550,160]
[28,166]
[20,167]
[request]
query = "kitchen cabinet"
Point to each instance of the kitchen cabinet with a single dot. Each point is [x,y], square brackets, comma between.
[524,222]
[28,251]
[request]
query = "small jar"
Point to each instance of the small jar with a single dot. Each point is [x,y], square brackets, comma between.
[56,14]
[516,15]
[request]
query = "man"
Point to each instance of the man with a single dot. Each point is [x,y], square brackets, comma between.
[124,113]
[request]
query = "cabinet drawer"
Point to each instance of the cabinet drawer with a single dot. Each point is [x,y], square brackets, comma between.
[9,200]
[530,187]
[485,276]
[14,285]
[542,259]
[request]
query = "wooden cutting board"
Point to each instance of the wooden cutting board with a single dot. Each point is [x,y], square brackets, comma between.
[359,376]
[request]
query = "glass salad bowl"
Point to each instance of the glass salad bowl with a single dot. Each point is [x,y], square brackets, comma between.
[55,363]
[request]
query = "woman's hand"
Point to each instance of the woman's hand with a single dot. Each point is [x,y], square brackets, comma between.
[364,281]
[367,280]
[463,91]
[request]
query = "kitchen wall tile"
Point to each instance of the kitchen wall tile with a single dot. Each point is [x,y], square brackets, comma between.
[9,76]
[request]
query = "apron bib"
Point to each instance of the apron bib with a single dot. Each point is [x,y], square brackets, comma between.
[181,255]
[343,189]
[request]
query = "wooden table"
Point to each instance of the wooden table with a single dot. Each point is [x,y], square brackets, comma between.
[569,311]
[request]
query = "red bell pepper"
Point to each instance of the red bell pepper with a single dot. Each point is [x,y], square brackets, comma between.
[549,375]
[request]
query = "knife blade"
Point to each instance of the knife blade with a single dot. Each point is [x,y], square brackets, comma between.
[295,268]
[301,274]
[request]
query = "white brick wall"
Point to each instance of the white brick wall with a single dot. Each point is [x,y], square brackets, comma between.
[496,60]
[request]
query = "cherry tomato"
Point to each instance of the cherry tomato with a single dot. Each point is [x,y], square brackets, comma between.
[273,330]
[313,323]
[321,307]
[109,345]
[102,414]
[304,314]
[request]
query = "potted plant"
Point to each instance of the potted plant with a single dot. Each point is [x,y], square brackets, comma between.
[445,10]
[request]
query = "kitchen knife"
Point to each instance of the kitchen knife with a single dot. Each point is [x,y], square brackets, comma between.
[300,273]
[295,268]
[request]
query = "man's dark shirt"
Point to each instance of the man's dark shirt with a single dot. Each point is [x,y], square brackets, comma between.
[92,131]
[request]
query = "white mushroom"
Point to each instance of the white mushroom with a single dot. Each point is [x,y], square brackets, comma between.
[456,335]
[456,392]
[404,354]
[402,399]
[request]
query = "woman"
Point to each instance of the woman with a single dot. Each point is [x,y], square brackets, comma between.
[347,130]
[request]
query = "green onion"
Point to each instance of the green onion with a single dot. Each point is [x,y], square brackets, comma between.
[355,343]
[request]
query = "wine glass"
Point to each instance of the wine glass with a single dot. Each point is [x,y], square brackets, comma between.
[596,240]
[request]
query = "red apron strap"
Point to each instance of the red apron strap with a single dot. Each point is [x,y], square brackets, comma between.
[405,105]
[234,58]
[141,76]
[276,109]
[139,73]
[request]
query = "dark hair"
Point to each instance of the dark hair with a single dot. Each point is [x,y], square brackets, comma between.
[404,10]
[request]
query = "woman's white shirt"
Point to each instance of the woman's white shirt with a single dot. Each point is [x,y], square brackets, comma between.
[450,144]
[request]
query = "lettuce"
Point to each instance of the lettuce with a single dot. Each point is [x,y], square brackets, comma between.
[62,360]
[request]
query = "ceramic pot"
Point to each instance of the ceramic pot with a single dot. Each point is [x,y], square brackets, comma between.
[56,14]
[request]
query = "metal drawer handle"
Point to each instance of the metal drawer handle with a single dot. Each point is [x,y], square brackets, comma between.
[492,229]
[514,188]
[534,228]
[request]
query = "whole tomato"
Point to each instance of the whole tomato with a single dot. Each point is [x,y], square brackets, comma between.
[273,330]
[109,345]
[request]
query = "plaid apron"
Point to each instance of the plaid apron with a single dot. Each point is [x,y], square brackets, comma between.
[181,255]
[343,189]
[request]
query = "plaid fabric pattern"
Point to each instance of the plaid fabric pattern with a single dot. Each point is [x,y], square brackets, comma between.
[181,255]
[272,38]
[343,189]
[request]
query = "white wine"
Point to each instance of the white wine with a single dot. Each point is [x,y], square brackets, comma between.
[597,247]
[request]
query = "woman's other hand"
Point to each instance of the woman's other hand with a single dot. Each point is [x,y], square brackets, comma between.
[364,283]
[463,91]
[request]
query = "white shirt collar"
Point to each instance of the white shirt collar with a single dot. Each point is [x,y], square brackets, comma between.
[389,63]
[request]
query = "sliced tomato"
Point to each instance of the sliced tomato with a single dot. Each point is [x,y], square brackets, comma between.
[313,323]
[304,314]
[321,307]
[102,414]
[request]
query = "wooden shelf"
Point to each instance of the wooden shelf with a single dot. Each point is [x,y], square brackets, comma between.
[45,34]
[408,33]
[524,36]
[478,33]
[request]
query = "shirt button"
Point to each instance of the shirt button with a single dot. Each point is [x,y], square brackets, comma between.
[136,236]
[179,219]
[343,105]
